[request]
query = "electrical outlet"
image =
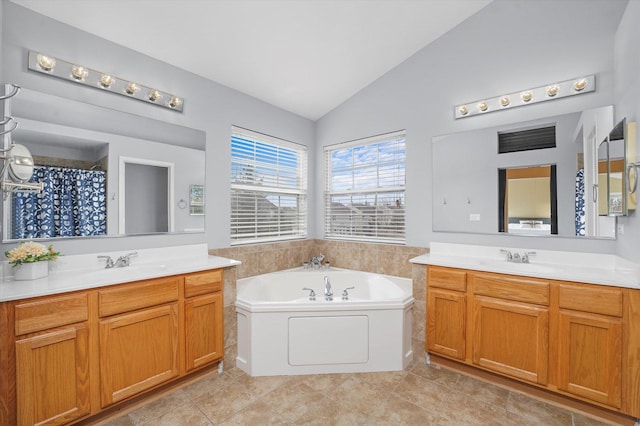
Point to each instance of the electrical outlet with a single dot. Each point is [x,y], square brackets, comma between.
[474,217]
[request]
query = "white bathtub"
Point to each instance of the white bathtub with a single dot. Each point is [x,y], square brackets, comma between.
[282,332]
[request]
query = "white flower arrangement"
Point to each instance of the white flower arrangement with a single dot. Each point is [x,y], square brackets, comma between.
[30,252]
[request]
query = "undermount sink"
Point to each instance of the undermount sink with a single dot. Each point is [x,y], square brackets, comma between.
[503,265]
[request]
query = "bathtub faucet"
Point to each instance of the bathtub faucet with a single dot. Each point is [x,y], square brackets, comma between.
[328,291]
[317,260]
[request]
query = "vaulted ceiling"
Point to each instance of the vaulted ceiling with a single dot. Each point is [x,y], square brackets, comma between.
[304,56]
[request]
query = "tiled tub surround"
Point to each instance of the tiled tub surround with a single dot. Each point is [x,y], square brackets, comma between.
[386,259]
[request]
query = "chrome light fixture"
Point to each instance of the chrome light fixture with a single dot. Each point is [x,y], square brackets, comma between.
[79,74]
[563,89]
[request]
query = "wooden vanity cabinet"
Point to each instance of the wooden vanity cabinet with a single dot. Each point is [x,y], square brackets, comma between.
[446,312]
[580,340]
[511,325]
[67,357]
[590,342]
[138,337]
[204,322]
[52,360]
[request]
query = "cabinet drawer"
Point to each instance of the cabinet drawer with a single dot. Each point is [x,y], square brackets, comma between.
[137,296]
[50,312]
[594,299]
[520,289]
[202,283]
[451,279]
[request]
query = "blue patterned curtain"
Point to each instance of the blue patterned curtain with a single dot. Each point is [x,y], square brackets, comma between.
[73,203]
[580,203]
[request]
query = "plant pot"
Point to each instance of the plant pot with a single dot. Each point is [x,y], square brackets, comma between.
[31,271]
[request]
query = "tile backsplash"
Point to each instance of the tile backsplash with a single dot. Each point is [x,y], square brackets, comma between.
[259,259]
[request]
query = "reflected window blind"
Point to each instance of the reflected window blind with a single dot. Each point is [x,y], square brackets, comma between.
[365,189]
[268,188]
[527,140]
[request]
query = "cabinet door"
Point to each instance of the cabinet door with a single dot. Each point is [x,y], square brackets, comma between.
[511,338]
[590,351]
[203,330]
[52,371]
[446,323]
[138,350]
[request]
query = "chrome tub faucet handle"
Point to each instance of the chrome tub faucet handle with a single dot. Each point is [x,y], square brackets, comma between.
[345,293]
[312,294]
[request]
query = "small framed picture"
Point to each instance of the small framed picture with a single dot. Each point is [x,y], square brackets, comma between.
[615,203]
[196,200]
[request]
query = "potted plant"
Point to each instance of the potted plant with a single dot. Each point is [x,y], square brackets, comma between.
[30,260]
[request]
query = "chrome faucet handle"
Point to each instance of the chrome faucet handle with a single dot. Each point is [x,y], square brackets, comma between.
[527,255]
[508,253]
[109,261]
[345,293]
[312,294]
[125,260]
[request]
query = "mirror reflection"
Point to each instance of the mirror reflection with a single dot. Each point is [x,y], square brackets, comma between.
[527,200]
[478,190]
[101,178]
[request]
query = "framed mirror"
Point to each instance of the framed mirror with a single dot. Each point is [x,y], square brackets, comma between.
[83,154]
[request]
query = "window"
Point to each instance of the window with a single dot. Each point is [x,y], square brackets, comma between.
[527,140]
[268,188]
[365,189]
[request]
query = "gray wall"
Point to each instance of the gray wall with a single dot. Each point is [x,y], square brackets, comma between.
[509,45]
[627,101]
[208,106]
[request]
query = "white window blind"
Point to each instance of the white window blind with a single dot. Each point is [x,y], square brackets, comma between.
[268,188]
[365,189]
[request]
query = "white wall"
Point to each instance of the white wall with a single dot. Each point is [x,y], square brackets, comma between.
[509,45]
[208,106]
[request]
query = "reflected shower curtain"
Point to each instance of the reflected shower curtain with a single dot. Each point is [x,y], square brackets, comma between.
[72,203]
[580,204]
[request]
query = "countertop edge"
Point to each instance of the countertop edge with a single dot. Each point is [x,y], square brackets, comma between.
[598,276]
[67,281]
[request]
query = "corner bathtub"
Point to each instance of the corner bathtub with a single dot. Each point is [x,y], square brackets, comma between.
[282,332]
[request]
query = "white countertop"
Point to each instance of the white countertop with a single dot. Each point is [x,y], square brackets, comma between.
[81,272]
[589,268]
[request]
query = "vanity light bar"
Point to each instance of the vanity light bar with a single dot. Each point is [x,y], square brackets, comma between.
[100,80]
[576,86]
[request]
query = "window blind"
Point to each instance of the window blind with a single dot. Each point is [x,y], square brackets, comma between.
[365,189]
[527,140]
[268,188]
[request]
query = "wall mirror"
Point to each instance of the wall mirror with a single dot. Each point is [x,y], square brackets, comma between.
[467,193]
[83,154]
[616,152]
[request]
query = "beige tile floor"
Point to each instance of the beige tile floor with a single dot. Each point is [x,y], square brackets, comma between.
[420,395]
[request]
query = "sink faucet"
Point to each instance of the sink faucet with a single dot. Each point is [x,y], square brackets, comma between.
[122,261]
[125,260]
[328,291]
[508,253]
[527,255]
